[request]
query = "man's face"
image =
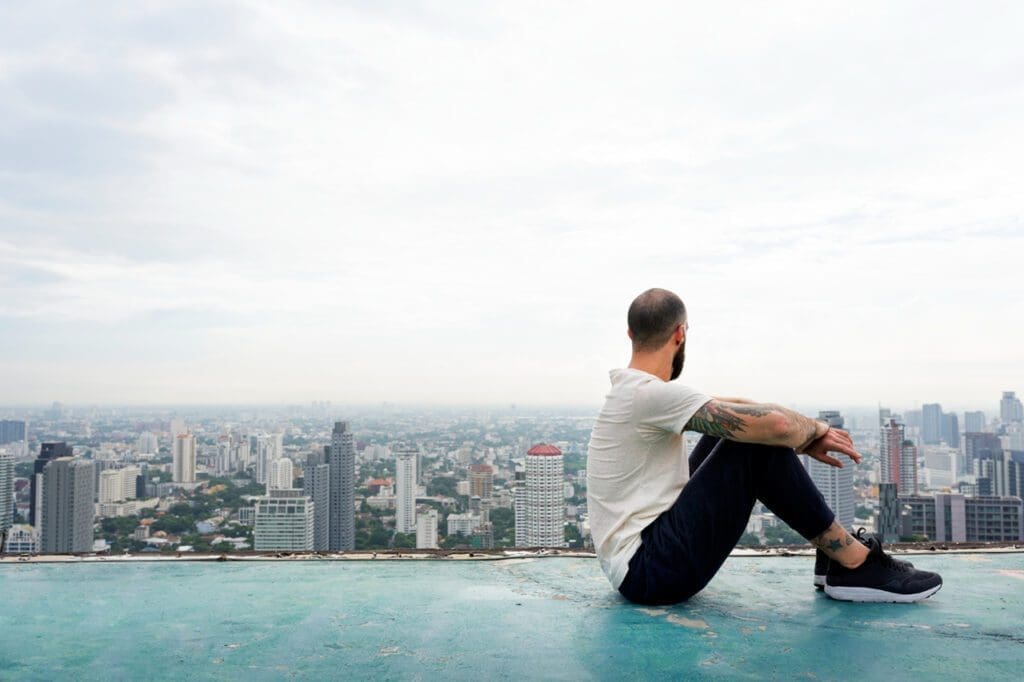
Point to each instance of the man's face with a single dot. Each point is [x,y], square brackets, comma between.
[678,359]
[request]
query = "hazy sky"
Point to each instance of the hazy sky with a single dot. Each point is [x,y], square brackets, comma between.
[367,201]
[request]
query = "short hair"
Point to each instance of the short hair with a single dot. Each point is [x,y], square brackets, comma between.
[652,318]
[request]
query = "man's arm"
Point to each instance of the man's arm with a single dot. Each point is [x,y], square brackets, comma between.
[756,423]
[741,401]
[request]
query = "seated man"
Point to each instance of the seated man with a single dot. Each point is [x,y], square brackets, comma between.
[663,526]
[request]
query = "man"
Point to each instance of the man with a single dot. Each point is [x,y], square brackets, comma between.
[663,526]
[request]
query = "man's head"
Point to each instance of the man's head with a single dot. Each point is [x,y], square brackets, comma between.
[657,323]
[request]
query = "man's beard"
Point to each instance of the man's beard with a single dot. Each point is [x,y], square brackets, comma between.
[677,361]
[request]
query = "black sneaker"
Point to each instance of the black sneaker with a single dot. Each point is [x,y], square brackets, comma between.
[880,579]
[821,559]
[820,568]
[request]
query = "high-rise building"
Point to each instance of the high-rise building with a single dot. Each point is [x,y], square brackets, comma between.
[284,522]
[267,448]
[951,430]
[519,507]
[426,530]
[545,497]
[836,485]
[481,481]
[282,474]
[184,458]
[908,468]
[342,524]
[974,422]
[69,487]
[405,489]
[13,431]
[117,485]
[147,443]
[931,424]
[888,523]
[47,453]
[110,487]
[979,446]
[316,485]
[6,492]
[889,448]
[1010,408]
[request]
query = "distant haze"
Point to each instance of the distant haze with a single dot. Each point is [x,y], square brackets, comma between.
[364,202]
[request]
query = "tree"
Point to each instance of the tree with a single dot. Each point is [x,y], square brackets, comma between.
[404,541]
[442,486]
[749,540]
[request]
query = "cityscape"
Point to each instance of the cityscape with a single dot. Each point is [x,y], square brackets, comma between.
[176,482]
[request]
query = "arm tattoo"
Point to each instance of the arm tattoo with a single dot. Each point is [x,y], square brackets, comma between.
[715,419]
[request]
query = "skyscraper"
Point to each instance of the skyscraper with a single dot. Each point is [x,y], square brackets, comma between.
[889,444]
[519,507]
[836,485]
[951,430]
[282,474]
[931,423]
[974,422]
[284,522]
[888,513]
[978,446]
[47,452]
[1010,408]
[405,489]
[12,431]
[6,492]
[267,448]
[69,486]
[481,481]
[908,468]
[184,458]
[545,497]
[342,524]
[316,485]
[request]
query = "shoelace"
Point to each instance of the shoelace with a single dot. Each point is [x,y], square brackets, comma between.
[889,560]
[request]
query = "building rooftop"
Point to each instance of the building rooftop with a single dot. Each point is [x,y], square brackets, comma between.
[526,617]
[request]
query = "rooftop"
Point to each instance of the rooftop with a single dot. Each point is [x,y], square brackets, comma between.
[529,617]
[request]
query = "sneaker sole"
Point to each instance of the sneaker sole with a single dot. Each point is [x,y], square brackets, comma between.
[870,594]
[819,582]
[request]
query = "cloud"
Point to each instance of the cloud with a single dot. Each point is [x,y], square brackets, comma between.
[378,201]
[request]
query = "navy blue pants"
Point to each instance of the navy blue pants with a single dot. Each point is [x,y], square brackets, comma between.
[684,547]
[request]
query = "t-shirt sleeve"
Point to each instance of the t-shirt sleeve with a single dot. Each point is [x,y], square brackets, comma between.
[666,406]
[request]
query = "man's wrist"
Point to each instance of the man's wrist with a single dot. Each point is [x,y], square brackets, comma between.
[820,429]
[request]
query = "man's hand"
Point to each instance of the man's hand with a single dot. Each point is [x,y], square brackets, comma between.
[834,440]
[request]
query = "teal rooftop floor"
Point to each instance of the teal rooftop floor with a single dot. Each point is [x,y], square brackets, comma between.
[516,618]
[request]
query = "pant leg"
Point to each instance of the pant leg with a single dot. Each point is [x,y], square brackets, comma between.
[685,546]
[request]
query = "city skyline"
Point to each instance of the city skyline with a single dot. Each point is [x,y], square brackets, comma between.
[260,204]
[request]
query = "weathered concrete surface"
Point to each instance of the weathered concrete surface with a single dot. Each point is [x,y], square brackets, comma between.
[527,617]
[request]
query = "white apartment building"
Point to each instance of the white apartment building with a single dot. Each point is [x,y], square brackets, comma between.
[426,530]
[544,498]
[284,522]
[184,458]
[405,490]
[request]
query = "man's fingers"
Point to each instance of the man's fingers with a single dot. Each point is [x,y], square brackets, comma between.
[829,460]
[846,450]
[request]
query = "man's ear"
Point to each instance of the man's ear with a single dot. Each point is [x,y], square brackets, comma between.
[629,333]
[680,335]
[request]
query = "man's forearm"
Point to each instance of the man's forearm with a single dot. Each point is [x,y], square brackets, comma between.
[802,430]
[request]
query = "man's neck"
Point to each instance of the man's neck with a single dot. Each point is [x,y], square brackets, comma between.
[652,364]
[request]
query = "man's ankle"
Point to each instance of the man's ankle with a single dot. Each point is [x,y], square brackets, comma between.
[854,560]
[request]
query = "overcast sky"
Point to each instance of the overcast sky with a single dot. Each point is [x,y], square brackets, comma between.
[284,202]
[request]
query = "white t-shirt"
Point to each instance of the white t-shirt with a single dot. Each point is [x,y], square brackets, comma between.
[636,462]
